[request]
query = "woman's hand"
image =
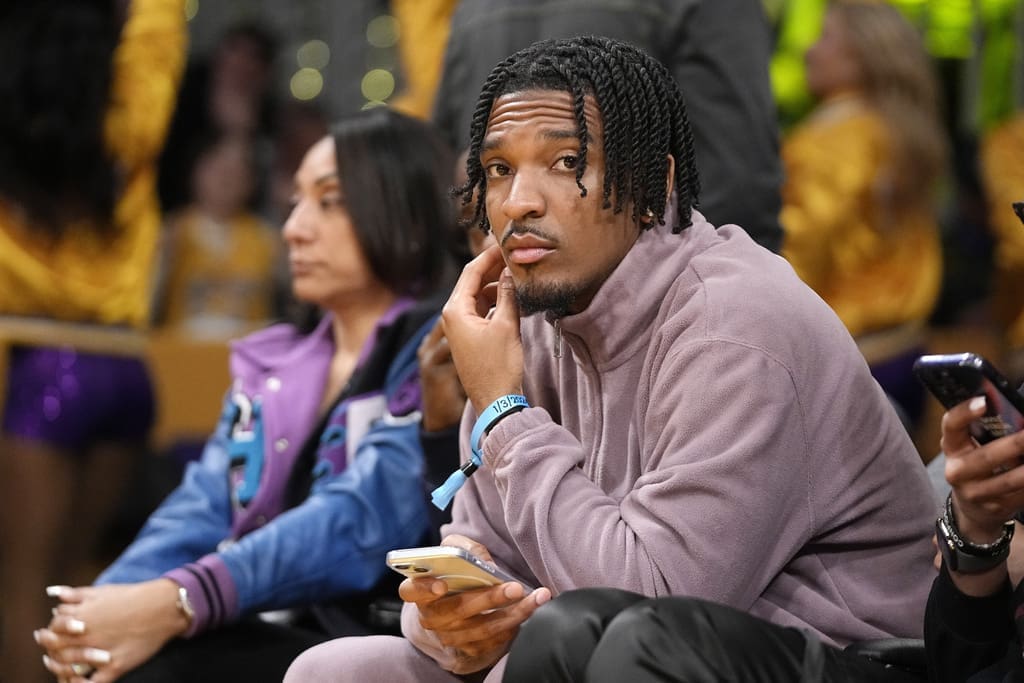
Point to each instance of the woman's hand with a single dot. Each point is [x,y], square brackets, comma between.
[988,489]
[988,484]
[112,628]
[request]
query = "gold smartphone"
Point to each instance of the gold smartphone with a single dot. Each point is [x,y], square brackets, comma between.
[460,569]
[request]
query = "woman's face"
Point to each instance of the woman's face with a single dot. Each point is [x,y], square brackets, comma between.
[832,66]
[327,264]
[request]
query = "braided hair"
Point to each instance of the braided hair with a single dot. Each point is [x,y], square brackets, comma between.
[641,108]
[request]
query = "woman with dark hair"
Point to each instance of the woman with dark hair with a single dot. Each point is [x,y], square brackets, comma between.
[315,468]
[87,93]
[861,173]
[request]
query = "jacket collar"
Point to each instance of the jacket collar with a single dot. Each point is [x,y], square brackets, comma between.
[283,346]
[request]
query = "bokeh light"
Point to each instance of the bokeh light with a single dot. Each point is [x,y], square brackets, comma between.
[314,54]
[378,84]
[382,31]
[306,84]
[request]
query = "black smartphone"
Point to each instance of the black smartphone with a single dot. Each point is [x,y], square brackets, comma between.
[954,378]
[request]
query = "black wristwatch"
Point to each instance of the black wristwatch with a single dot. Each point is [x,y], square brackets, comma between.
[960,555]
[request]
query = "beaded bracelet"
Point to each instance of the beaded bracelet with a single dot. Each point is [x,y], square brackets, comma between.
[500,409]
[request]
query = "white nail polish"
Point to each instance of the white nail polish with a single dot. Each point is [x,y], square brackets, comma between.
[57,591]
[76,625]
[37,636]
[977,403]
[94,655]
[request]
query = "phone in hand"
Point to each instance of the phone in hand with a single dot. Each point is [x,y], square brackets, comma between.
[459,568]
[955,378]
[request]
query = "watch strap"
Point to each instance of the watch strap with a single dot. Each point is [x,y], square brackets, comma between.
[963,556]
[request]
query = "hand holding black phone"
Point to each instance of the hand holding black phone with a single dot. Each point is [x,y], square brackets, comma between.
[955,378]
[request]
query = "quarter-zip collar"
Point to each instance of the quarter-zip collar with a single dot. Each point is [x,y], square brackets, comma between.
[617,323]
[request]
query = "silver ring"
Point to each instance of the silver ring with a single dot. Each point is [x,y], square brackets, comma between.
[83,670]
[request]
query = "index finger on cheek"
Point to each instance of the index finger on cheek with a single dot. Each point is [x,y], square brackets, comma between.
[483,269]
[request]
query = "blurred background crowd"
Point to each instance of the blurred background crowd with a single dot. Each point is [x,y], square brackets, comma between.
[264,79]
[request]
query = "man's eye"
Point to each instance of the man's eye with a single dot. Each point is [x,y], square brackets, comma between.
[569,162]
[497,170]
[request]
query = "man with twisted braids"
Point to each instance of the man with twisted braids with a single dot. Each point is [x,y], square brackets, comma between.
[664,407]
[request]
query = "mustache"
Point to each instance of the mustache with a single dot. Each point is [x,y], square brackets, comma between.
[516,228]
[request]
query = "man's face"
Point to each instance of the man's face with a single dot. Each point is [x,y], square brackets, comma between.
[560,247]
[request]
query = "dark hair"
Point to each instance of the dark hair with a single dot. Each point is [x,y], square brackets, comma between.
[55,88]
[395,172]
[642,111]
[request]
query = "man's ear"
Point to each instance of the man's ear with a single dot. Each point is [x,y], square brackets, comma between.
[670,179]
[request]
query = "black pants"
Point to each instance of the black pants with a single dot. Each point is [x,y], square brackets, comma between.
[251,651]
[603,634]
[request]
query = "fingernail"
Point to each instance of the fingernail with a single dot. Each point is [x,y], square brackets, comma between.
[57,591]
[94,655]
[438,588]
[977,403]
[513,590]
[37,636]
[541,596]
[47,662]
[76,625]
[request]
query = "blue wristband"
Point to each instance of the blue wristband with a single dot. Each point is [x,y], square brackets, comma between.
[502,407]
[506,405]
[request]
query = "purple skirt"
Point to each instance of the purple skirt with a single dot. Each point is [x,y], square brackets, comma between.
[74,400]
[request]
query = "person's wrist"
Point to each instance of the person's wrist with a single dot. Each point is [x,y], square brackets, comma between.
[497,410]
[485,400]
[976,531]
[964,556]
[176,613]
